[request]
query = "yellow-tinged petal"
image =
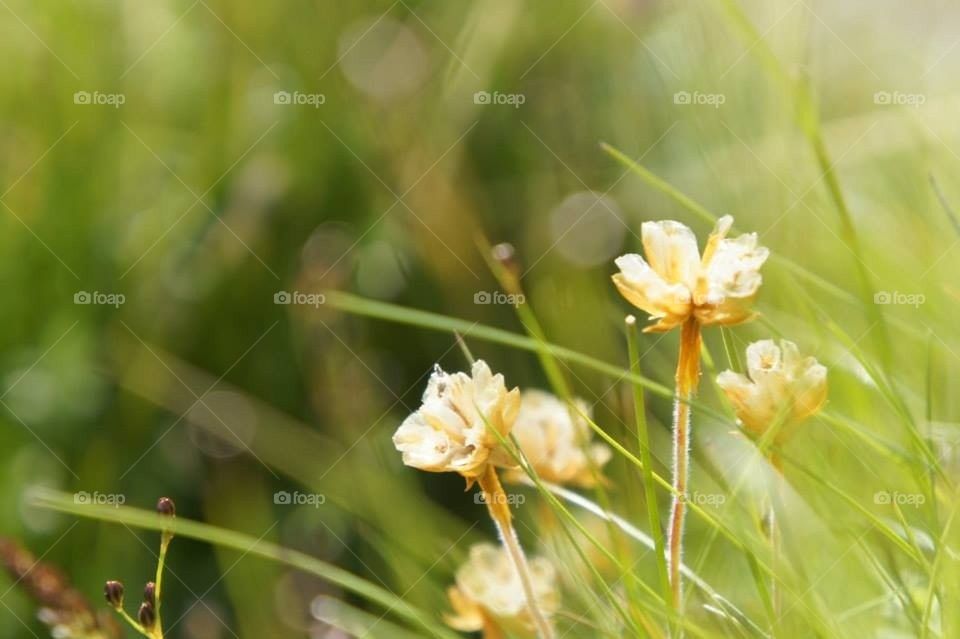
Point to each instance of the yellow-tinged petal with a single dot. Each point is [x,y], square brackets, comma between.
[671,250]
[783,388]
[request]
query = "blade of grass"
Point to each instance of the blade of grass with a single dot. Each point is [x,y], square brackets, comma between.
[646,457]
[807,115]
[62,502]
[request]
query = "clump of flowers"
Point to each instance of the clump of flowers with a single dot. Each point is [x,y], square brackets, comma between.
[459,428]
[489,597]
[781,389]
[453,430]
[555,440]
[148,621]
[677,286]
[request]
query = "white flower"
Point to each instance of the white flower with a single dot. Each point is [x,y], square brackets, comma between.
[555,439]
[675,283]
[488,590]
[782,386]
[451,432]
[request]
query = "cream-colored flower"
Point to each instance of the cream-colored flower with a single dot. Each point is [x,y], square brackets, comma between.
[555,439]
[675,283]
[488,592]
[451,432]
[783,387]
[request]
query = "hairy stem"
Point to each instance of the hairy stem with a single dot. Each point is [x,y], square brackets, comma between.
[688,374]
[496,500]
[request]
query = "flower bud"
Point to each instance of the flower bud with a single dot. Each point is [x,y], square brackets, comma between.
[165,507]
[113,592]
[150,593]
[147,615]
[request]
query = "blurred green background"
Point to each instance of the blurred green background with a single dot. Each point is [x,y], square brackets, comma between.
[200,158]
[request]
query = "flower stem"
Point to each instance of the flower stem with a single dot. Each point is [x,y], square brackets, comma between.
[688,376]
[496,500]
[773,531]
[165,538]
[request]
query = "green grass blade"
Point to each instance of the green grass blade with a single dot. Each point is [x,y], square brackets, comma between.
[62,502]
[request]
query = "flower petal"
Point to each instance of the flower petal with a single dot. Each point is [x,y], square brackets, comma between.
[422,446]
[647,290]
[734,269]
[671,249]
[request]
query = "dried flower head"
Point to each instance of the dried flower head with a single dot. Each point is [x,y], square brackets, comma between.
[488,592]
[555,439]
[675,283]
[781,387]
[452,430]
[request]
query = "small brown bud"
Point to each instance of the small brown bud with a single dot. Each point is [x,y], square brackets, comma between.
[147,615]
[165,507]
[113,591]
[150,593]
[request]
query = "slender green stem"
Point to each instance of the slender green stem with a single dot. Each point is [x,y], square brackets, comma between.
[646,457]
[165,538]
[133,623]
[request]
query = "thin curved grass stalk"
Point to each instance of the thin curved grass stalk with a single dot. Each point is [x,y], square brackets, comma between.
[62,502]
[643,441]
[688,375]
[724,606]
[496,500]
[776,540]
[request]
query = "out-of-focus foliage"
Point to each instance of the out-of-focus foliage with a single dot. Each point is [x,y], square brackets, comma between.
[171,173]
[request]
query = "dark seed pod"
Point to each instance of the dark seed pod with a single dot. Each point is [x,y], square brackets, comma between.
[166,507]
[113,591]
[147,615]
[150,593]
